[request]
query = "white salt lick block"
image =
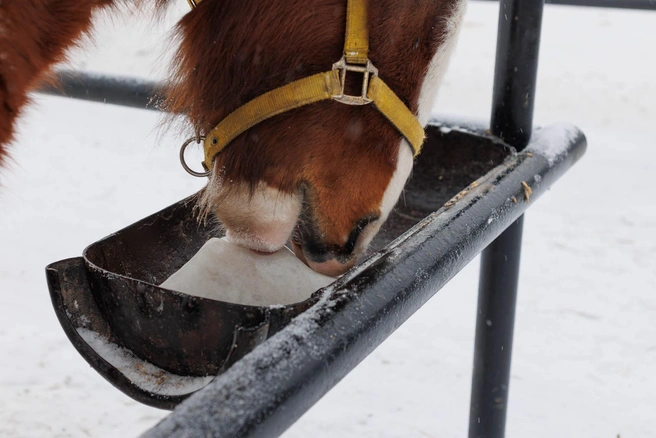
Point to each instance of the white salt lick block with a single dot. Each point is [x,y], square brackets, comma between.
[226,272]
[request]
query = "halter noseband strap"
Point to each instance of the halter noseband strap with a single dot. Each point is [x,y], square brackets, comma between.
[322,86]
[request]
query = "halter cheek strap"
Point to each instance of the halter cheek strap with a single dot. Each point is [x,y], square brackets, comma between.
[322,86]
[356,41]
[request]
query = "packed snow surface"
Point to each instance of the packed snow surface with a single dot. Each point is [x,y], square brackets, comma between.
[226,272]
[585,336]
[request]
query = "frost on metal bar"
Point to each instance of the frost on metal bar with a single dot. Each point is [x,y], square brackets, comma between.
[270,388]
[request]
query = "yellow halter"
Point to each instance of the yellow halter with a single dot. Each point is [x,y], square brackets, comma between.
[318,87]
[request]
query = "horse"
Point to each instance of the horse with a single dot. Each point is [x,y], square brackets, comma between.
[323,176]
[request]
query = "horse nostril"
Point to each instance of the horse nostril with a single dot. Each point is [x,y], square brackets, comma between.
[331,268]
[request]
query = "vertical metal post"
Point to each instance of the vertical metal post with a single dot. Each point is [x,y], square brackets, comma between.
[515,74]
[494,333]
[518,44]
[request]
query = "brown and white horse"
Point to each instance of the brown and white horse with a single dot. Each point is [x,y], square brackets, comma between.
[325,175]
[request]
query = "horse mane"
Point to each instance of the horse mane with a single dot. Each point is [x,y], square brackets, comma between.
[34,36]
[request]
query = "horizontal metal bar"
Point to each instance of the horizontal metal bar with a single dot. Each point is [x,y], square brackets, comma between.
[649,5]
[116,90]
[269,389]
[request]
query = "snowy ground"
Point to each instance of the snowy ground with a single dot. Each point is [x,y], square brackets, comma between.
[585,344]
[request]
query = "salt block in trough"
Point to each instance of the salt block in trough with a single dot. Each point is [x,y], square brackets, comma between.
[225,272]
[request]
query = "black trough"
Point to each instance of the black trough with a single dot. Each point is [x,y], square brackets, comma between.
[467,187]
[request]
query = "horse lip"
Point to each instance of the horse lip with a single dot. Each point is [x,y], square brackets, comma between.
[298,251]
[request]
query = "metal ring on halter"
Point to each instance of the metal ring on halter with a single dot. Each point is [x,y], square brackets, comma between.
[189,170]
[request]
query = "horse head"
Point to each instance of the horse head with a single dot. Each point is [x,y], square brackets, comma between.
[324,176]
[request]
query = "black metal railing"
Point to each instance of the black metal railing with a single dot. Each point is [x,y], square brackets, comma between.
[620,4]
[140,93]
[115,90]
[273,386]
[513,99]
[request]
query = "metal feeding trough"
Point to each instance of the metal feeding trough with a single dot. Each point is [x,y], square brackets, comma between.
[156,345]
[467,196]
[159,346]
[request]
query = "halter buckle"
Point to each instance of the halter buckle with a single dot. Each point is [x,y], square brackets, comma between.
[366,69]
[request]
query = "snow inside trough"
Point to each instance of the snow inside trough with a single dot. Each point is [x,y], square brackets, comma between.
[585,341]
[143,374]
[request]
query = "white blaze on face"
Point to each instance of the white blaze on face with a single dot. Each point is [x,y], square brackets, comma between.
[427,96]
[391,195]
[440,61]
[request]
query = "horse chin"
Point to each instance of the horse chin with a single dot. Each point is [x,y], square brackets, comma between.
[262,242]
[331,268]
